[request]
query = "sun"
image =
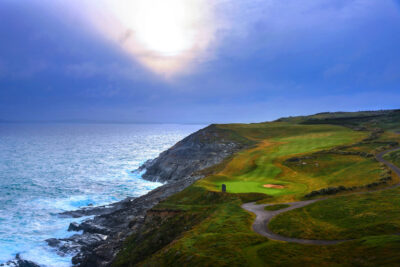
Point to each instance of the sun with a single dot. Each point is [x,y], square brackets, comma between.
[164,35]
[163,26]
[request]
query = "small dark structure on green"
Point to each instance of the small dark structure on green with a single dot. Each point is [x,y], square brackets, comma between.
[223,188]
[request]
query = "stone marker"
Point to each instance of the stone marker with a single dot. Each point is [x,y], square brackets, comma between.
[223,188]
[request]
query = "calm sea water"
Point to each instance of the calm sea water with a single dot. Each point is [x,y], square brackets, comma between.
[49,168]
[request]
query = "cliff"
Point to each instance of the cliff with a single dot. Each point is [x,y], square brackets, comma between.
[179,167]
[203,149]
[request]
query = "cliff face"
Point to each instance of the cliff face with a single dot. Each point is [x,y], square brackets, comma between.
[203,149]
[179,166]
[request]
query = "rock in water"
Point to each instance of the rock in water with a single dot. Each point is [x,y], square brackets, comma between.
[19,262]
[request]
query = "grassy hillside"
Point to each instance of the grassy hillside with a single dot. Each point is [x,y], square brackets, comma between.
[224,238]
[250,170]
[290,159]
[384,119]
[345,217]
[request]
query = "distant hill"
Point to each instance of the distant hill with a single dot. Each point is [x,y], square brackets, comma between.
[385,119]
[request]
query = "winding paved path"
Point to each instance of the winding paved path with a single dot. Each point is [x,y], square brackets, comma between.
[263,217]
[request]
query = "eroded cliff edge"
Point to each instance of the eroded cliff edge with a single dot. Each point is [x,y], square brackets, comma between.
[198,151]
[178,167]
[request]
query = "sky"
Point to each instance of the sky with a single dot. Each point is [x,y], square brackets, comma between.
[196,61]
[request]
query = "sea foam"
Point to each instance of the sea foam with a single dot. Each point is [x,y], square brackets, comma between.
[46,169]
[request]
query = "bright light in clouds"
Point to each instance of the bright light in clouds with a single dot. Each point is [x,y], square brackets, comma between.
[164,35]
[161,26]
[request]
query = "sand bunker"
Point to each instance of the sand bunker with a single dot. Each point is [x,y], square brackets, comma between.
[277,186]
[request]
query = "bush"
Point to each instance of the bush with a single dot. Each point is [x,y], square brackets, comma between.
[328,191]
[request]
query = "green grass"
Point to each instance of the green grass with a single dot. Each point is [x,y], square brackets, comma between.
[169,220]
[276,207]
[366,147]
[368,251]
[250,170]
[223,237]
[325,170]
[202,226]
[217,221]
[344,217]
[385,119]
[393,157]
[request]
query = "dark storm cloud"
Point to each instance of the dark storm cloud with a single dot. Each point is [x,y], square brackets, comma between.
[273,58]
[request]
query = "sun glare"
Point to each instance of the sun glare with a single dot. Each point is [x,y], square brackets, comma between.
[164,35]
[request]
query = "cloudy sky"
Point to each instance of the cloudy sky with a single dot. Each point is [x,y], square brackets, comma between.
[196,61]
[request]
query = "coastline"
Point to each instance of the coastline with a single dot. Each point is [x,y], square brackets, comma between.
[64,168]
[102,237]
[179,167]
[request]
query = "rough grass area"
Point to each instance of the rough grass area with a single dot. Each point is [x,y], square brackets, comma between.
[393,157]
[368,251]
[384,119]
[159,230]
[224,238]
[252,197]
[204,216]
[325,170]
[276,207]
[168,221]
[344,217]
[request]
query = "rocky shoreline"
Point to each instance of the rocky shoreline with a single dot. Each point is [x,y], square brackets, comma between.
[19,262]
[103,235]
[178,167]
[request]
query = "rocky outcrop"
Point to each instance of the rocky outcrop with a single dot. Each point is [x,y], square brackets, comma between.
[179,167]
[19,262]
[198,151]
[103,235]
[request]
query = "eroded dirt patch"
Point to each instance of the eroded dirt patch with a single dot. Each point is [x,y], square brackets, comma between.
[276,186]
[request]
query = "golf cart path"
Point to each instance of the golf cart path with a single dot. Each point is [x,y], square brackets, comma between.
[263,217]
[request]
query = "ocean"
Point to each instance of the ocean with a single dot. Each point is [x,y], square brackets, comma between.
[46,169]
